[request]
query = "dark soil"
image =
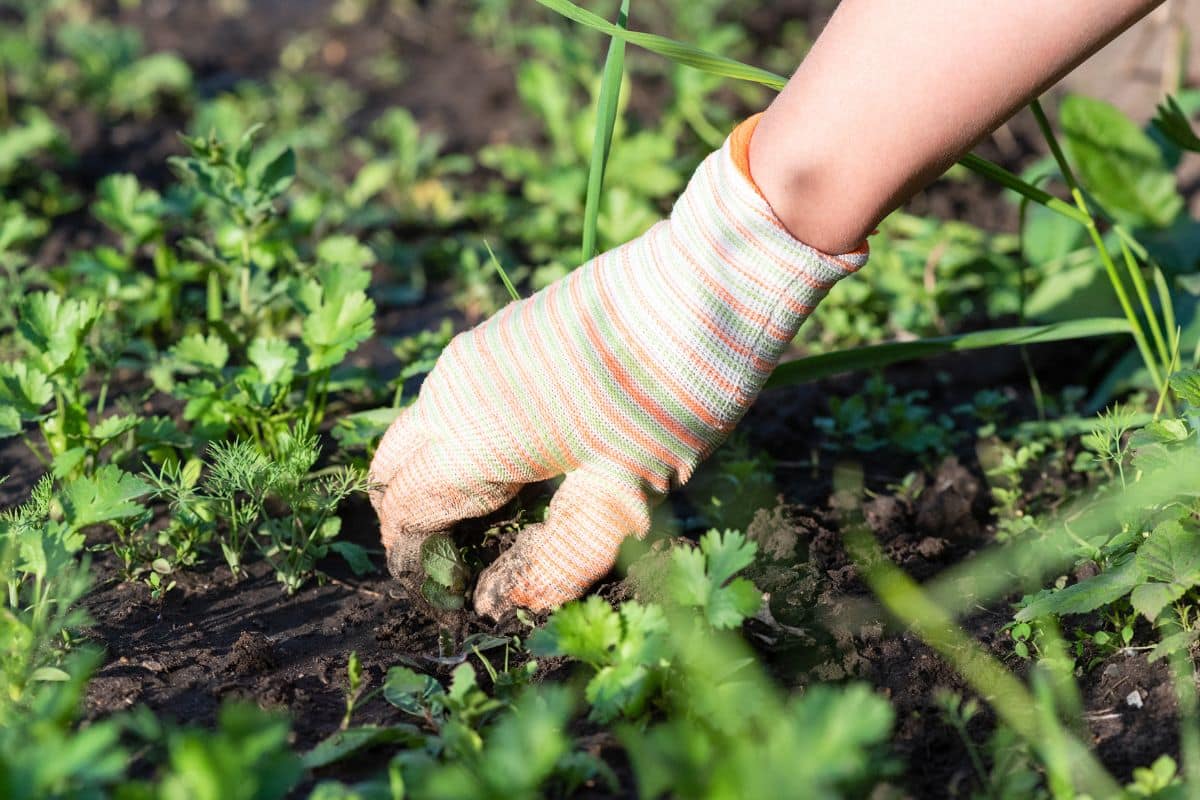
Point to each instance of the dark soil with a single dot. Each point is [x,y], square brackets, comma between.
[213,638]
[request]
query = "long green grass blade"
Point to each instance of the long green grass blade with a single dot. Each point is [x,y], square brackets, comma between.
[679,52]
[881,355]
[508,284]
[606,120]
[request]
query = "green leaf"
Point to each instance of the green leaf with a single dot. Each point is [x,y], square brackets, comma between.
[126,208]
[586,631]
[1186,384]
[274,358]
[278,175]
[1119,163]
[1088,595]
[606,119]
[49,674]
[881,355]
[442,597]
[110,494]
[114,426]
[355,555]
[679,52]
[408,690]
[364,427]
[698,577]
[54,328]
[1150,599]
[727,554]
[1171,554]
[345,250]
[10,421]
[24,390]
[1173,643]
[442,562]
[202,352]
[733,603]
[346,743]
[339,315]
[1175,125]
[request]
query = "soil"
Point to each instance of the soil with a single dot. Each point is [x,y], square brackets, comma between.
[213,638]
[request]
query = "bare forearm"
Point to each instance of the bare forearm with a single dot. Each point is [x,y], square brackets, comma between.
[894,91]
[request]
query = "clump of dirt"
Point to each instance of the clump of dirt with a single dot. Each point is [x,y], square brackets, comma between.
[1131,711]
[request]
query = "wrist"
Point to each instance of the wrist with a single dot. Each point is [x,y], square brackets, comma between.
[811,193]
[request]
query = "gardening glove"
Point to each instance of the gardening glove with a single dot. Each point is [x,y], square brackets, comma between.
[622,376]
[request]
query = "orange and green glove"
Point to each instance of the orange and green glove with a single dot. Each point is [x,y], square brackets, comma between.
[622,376]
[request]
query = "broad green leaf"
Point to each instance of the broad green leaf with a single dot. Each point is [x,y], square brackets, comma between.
[339,315]
[109,494]
[1150,599]
[19,142]
[275,360]
[345,250]
[731,604]
[587,631]
[278,175]
[698,577]
[24,390]
[1171,554]
[364,427]
[10,422]
[442,597]
[1173,643]
[54,328]
[111,427]
[66,462]
[1118,163]
[727,554]
[1187,385]
[126,208]
[408,690]
[201,352]
[1088,595]
[442,562]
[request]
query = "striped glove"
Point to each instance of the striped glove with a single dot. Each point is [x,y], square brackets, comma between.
[622,376]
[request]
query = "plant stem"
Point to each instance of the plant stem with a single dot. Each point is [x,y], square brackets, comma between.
[1139,335]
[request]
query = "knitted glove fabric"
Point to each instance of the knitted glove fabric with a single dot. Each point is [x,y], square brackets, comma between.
[622,376]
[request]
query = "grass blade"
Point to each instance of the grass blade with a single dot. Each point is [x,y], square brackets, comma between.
[606,120]
[679,52]
[508,284]
[881,355]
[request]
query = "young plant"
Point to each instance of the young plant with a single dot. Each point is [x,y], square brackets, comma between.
[236,502]
[46,387]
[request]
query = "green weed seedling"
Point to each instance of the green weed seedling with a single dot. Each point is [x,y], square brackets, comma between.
[878,418]
[471,745]
[626,648]
[46,387]
[446,573]
[237,501]
[44,578]
[1153,558]
[277,382]
[240,193]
